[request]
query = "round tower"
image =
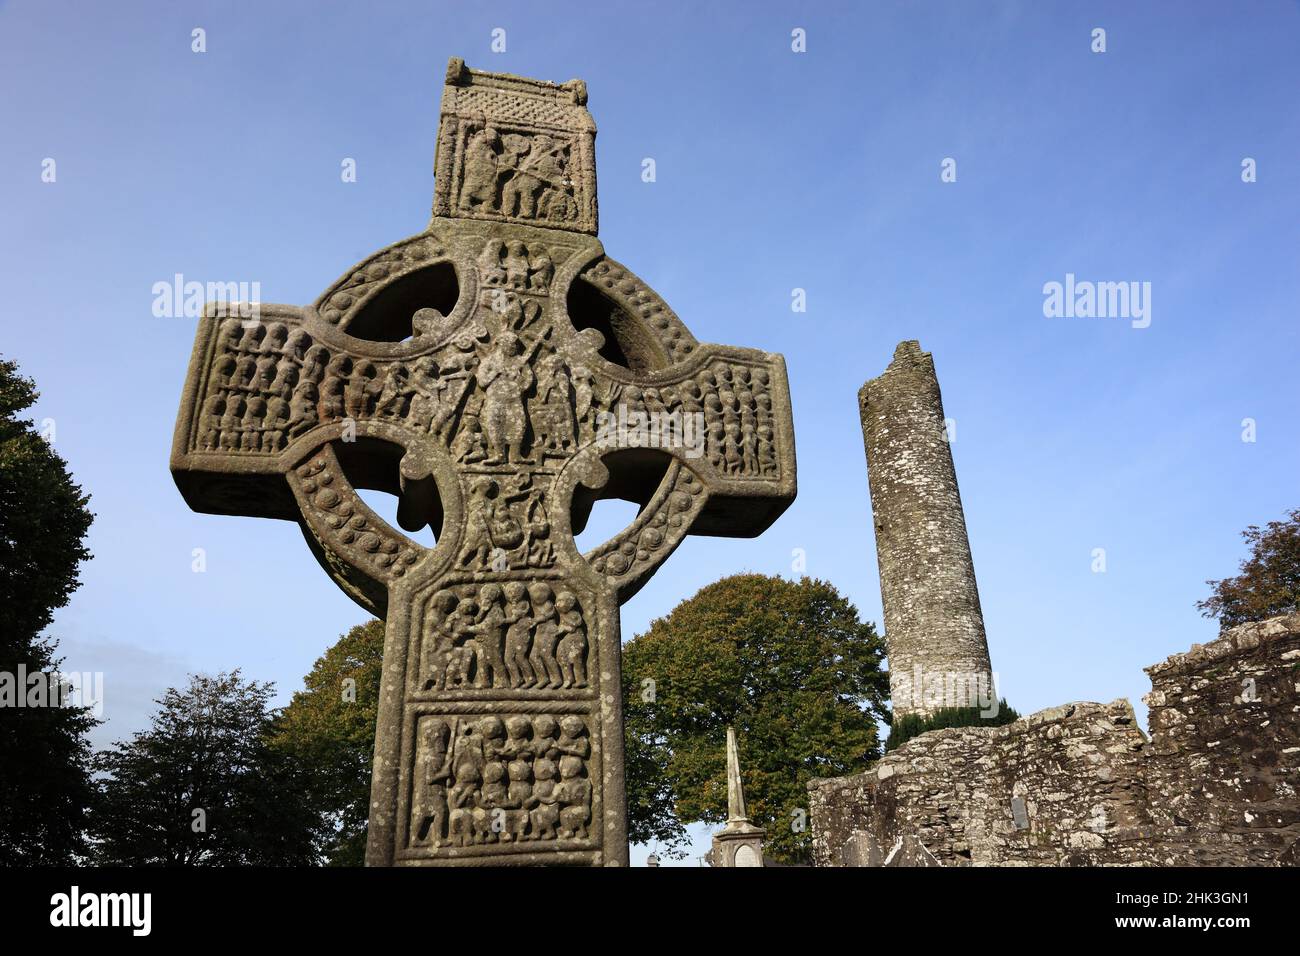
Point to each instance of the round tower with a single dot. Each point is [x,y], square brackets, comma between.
[934,629]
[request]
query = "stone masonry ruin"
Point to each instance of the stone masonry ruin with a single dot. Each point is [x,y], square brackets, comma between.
[1080,784]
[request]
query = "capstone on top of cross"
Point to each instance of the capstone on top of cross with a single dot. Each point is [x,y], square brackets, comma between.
[512,149]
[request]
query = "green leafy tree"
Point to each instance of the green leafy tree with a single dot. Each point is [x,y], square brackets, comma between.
[1269,582]
[204,787]
[789,665]
[45,784]
[329,727]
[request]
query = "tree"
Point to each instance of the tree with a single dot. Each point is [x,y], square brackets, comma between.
[45,786]
[789,665]
[1269,582]
[203,785]
[329,727]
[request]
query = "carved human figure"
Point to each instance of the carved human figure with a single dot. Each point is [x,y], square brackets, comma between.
[432,772]
[479,184]
[465,655]
[572,650]
[213,410]
[546,635]
[264,374]
[275,423]
[518,796]
[491,630]
[231,421]
[468,446]
[225,372]
[545,733]
[519,195]
[546,809]
[542,271]
[296,346]
[251,340]
[574,795]
[539,551]
[392,392]
[302,409]
[277,333]
[480,520]
[490,269]
[581,378]
[250,437]
[518,635]
[556,427]
[489,811]
[573,740]
[461,801]
[314,362]
[505,376]
[245,370]
[286,377]
[438,640]
[516,264]
[545,166]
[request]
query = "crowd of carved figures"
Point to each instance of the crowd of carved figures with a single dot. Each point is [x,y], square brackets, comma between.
[738,411]
[504,636]
[519,175]
[496,398]
[482,780]
[263,392]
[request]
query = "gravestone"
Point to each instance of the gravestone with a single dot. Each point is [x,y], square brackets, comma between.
[499,373]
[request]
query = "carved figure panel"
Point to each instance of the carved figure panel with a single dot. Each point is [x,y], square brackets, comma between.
[502,781]
[517,634]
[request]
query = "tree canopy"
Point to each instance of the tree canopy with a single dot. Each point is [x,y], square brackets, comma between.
[329,726]
[45,782]
[1269,582]
[789,665]
[203,787]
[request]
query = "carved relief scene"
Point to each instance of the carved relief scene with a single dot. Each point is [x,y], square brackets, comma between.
[262,390]
[517,174]
[511,635]
[499,392]
[515,779]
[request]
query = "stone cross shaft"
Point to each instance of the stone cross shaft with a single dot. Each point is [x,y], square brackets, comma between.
[498,373]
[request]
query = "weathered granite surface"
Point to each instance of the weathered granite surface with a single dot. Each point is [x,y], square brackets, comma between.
[498,373]
[934,627]
[1082,785]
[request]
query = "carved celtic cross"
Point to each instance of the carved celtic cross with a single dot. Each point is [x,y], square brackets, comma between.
[499,374]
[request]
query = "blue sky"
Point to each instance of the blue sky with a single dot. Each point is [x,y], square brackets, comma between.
[776,170]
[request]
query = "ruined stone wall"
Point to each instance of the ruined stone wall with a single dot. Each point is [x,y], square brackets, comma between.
[1082,785]
[933,622]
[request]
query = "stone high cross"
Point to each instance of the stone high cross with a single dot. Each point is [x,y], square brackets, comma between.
[499,374]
